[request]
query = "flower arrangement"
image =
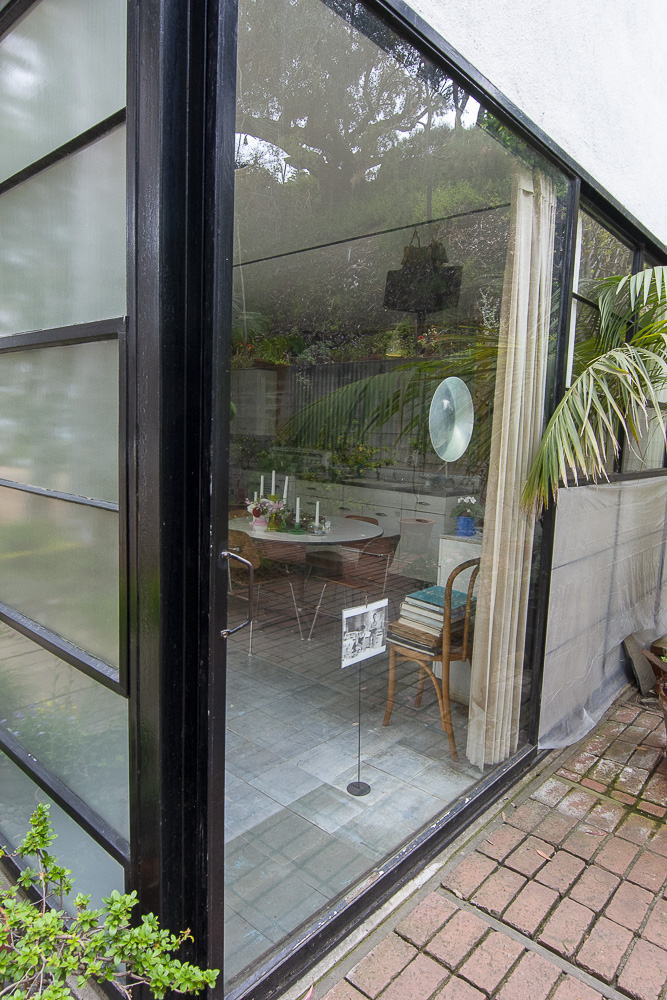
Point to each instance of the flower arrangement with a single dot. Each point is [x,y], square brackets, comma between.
[467,507]
[263,507]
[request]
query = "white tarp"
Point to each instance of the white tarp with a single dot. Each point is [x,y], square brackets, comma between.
[608,580]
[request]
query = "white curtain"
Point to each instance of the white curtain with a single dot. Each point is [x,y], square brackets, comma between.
[497,661]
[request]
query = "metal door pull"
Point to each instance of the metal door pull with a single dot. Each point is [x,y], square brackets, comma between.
[225,555]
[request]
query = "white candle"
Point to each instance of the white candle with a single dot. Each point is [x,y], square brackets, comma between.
[285,489]
[273,483]
[255,500]
[261,486]
[298,510]
[317,512]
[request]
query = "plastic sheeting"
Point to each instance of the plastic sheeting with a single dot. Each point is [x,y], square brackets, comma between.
[608,580]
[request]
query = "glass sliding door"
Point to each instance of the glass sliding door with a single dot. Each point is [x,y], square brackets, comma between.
[396,275]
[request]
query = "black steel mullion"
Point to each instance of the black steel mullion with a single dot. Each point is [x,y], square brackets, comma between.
[88,664]
[74,145]
[11,11]
[75,807]
[63,336]
[43,491]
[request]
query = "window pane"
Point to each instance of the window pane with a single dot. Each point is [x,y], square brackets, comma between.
[602,254]
[69,722]
[391,236]
[60,567]
[59,418]
[95,872]
[62,70]
[62,241]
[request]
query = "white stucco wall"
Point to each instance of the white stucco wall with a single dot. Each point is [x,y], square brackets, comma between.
[590,73]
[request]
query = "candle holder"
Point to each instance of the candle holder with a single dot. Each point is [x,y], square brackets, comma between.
[316,529]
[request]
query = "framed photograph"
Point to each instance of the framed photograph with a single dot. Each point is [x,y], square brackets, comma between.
[364,632]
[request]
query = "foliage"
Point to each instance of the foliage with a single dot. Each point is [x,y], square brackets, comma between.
[42,947]
[615,395]
[467,507]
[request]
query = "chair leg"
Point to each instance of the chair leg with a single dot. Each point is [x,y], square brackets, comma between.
[420,687]
[446,711]
[392,686]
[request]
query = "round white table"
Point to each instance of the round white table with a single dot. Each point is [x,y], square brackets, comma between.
[343,529]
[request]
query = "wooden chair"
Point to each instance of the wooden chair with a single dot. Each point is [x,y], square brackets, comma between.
[456,645]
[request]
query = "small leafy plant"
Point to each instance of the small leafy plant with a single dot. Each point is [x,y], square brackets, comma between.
[43,949]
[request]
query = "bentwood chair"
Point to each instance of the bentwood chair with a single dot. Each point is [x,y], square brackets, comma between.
[457,634]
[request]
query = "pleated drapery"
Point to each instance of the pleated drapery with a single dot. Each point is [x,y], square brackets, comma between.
[507,544]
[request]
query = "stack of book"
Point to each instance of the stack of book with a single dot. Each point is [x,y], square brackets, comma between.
[420,620]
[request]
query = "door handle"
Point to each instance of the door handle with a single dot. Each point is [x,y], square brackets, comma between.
[225,555]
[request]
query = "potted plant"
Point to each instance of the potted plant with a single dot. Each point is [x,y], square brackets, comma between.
[466,511]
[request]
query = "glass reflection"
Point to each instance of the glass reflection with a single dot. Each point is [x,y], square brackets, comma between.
[390,234]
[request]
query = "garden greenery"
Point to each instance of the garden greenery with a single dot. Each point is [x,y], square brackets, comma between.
[44,951]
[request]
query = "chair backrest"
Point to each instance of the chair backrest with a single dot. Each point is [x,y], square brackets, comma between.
[361,517]
[447,609]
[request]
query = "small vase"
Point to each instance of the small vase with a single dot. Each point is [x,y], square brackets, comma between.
[465,526]
[259,523]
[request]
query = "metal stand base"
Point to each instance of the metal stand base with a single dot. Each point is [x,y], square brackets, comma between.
[358,788]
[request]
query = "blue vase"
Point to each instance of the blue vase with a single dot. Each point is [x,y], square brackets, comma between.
[465,526]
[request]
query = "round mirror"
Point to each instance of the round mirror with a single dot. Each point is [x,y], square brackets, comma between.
[451,419]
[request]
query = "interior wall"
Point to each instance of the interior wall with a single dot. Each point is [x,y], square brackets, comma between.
[608,581]
[590,75]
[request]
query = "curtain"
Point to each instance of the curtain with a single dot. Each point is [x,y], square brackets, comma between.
[502,600]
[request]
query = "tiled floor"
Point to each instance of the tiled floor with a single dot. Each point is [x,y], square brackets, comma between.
[295,837]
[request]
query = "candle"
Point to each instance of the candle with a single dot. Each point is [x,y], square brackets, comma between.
[317,512]
[285,489]
[261,486]
[255,498]
[298,510]
[273,483]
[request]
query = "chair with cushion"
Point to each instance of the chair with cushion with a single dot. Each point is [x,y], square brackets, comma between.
[419,647]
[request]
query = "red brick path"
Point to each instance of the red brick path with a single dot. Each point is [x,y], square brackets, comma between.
[567,892]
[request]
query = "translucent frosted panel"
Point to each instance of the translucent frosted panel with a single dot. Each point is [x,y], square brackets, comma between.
[69,722]
[62,69]
[95,872]
[59,418]
[59,566]
[62,241]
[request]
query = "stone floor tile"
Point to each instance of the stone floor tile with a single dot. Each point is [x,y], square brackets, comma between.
[646,757]
[526,816]
[631,780]
[636,734]
[530,907]
[597,744]
[551,792]
[469,874]
[458,989]
[629,905]
[649,871]
[606,816]
[500,842]
[637,829]
[658,842]
[606,770]
[555,827]
[656,926]
[645,972]
[419,980]
[381,965]
[604,948]
[533,977]
[568,775]
[584,841]
[625,714]
[565,928]
[491,961]
[595,887]
[572,989]
[426,919]
[620,751]
[457,938]
[612,729]
[652,808]
[656,738]
[529,856]
[561,871]
[496,894]
[595,786]
[343,991]
[578,803]
[616,855]
[581,762]
[650,720]
[656,790]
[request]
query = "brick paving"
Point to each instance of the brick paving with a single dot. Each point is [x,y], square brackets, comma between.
[563,898]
